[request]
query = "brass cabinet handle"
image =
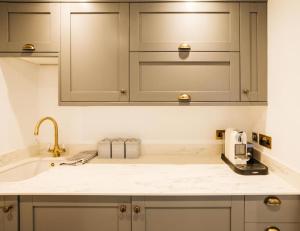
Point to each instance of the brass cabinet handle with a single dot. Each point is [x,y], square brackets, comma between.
[28,47]
[137,209]
[123,208]
[272,229]
[245,91]
[6,209]
[123,91]
[184,97]
[272,201]
[184,46]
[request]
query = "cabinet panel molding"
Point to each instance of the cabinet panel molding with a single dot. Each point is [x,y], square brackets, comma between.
[89,213]
[253,25]
[36,24]
[188,213]
[94,52]
[163,76]
[204,26]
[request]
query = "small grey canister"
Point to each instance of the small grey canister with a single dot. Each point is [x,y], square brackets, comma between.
[133,148]
[104,149]
[118,148]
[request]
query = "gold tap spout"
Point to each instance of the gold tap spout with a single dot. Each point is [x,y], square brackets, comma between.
[56,150]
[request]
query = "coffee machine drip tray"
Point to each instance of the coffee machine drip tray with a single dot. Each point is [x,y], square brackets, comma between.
[253,168]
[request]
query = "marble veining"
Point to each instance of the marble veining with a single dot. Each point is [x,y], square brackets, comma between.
[147,179]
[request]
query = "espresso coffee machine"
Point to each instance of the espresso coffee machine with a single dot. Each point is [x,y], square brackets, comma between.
[236,146]
[239,154]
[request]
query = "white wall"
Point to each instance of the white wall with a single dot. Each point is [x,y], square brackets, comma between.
[282,118]
[153,124]
[18,105]
[21,104]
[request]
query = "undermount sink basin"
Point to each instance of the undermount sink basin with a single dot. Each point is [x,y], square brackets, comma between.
[26,169]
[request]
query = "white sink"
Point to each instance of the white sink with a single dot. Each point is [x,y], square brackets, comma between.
[27,169]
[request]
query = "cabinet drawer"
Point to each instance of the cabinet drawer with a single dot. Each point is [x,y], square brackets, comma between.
[33,24]
[279,226]
[204,26]
[256,210]
[164,76]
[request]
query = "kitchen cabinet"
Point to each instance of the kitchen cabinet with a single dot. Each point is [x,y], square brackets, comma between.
[94,62]
[203,26]
[9,213]
[167,76]
[279,212]
[29,27]
[76,213]
[272,227]
[253,24]
[188,213]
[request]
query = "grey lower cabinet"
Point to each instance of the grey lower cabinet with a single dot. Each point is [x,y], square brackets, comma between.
[9,213]
[94,61]
[253,50]
[272,213]
[202,76]
[29,27]
[188,213]
[76,213]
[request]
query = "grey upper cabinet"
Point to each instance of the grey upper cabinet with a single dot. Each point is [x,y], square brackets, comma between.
[188,214]
[201,76]
[203,26]
[9,213]
[94,52]
[253,23]
[76,213]
[29,27]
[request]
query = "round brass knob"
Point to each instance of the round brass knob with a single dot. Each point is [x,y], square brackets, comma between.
[123,208]
[272,229]
[246,91]
[272,201]
[123,91]
[6,209]
[137,209]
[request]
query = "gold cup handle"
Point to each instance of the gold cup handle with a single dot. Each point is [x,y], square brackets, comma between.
[184,46]
[272,229]
[6,209]
[184,97]
[28,47]
[272,201]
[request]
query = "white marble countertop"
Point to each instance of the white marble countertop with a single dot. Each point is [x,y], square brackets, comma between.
[147,180]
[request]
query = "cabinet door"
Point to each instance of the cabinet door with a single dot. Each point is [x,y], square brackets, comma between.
[204,26]
[94,52]
[188,214]
[76,213]
[253,51]
[164,76]
[29,27]
[9,213]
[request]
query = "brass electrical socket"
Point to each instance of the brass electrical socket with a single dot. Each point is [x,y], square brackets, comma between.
[220,134]
[254,137]
[265,141]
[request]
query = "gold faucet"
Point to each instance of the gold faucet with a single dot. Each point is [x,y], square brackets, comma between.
[56,150]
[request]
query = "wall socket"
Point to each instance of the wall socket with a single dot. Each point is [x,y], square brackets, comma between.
[220,134]
[254,137]
[265,141]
